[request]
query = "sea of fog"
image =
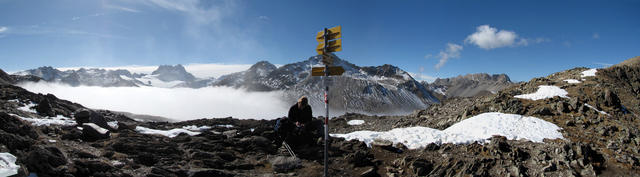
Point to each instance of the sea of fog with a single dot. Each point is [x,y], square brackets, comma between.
[175,103]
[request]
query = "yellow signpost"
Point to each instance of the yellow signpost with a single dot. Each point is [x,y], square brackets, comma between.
[334,33]
[330,41]
[333,70]
[334,46]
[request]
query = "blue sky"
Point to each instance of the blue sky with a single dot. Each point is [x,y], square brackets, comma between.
[523,39]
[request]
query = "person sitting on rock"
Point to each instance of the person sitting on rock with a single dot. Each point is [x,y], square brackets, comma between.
[296,123]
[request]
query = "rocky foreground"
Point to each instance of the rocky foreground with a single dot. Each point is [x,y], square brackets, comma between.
[599,121]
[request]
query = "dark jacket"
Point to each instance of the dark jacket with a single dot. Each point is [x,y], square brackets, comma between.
[297,115]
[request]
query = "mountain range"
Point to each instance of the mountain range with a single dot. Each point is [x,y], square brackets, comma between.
[592,113]
[384,89]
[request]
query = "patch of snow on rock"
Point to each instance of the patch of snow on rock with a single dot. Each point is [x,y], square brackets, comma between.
[196,128]
[572,81]
[168,133]
[113,124]
[589,73]
[97,128]
[29,108]
[58,120]
[355,122]
[475,129]
[225,126]
[544,92]
[599,111]
[8,165]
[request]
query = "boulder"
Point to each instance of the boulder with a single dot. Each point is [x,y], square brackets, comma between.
[93,132]
[284,164]
[16,126]
[87,116]
[46,160]
[611,99]
[44,108]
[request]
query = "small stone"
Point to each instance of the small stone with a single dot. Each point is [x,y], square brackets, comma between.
[369,172]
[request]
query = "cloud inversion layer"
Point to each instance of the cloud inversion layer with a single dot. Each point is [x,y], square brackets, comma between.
[175,103]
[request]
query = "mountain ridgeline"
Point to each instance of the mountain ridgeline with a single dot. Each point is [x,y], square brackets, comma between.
[384,89]
[469,85]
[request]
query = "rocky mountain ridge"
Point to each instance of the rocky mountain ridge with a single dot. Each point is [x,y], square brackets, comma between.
[469,85]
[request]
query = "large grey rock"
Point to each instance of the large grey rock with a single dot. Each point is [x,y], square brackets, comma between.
[87,116]
[93,132]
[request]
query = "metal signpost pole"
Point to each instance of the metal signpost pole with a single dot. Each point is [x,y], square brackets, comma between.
[326,106]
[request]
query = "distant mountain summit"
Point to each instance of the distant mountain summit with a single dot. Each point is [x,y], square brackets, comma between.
[170,73]
[87,77]
[470,85]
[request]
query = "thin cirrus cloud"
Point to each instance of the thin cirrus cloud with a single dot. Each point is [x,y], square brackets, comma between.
[173,103]
[452,51]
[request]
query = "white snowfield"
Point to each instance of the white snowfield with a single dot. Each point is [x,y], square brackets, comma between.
[173,132]
[355,122]
[572,81]
[589,73]
[475,129]
[8,165]
[544,92]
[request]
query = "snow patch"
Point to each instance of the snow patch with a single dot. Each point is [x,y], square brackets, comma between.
[8,165]
[58,120]
[355,122]
[225,126]
[97,128]
[168,133]
[28,108]
[113,124]
[441,91]
[572,81]
[599,111]
[475,129]
[196,128]
[544,92]
[589,73]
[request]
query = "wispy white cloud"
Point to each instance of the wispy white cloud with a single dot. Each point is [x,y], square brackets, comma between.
[47,30]
[3,29]
[265,18]
[525,42]
[75,18]
[120,8]
[452,51]
[595,36]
